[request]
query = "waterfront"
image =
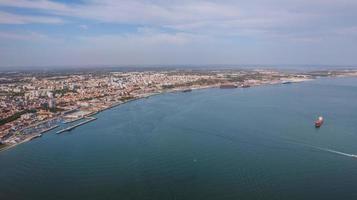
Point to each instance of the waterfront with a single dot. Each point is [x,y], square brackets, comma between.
[207,144]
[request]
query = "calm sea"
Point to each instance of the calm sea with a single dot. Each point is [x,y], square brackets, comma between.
[254,143]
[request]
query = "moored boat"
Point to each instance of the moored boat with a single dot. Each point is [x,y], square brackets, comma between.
[228,86]
[245,85]
[36,136]
[187,90]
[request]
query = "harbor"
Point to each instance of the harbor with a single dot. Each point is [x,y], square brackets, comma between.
[28,137]
[48,129]
[89,119]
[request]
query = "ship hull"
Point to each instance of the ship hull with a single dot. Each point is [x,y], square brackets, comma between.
[318,124]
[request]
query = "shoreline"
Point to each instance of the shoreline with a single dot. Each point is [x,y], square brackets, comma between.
[148,95]
[89,119]
[32,137]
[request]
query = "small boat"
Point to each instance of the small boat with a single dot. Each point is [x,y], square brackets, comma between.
[228,86]
[287,82]
[319,122]
[187,90]
[36,136]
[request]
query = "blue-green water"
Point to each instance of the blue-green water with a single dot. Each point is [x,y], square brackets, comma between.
[256,143]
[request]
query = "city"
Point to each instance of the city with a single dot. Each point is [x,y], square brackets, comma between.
[32,104]
[178,99]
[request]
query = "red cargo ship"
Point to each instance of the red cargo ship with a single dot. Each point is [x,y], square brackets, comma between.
[319,122]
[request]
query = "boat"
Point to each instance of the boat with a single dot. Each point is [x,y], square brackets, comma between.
[36,136]
[228,86]
[187,90]
[244,85]
[319,122]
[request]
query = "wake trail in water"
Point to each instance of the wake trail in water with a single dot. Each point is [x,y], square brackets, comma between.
[328,150]
[335,152]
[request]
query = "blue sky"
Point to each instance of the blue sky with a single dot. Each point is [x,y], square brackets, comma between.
[129,32]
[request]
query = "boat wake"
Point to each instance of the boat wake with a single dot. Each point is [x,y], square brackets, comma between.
[329,150]
[335,152]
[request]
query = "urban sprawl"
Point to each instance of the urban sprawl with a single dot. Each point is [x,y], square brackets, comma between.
[34,103]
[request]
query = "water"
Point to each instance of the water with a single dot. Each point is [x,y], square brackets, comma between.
[255,143]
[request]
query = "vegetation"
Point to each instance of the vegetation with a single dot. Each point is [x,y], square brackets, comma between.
[87,99]
[13,94]
[15,116]
[63,91]
[54,110]
[199,82]
[2,146]
[126,98]
[167,86]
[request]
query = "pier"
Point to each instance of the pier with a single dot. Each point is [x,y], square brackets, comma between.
[43,131]
[72,120]
[75,126]
[51,128]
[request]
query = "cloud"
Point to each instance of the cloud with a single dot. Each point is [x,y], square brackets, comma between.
[225,31]
[83,27]
[8,18]
[28,36]
[35,4]
[143,37]
[254,18]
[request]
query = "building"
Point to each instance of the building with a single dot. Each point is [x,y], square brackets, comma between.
[52,103]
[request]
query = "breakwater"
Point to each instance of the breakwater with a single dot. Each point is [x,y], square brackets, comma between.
[77,125]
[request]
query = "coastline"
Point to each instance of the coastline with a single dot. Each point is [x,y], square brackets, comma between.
[33,136]
[113,105]
[143,96]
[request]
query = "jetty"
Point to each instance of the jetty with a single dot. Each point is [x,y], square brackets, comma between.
[72,120]
[39,134]
[43,131]
[48,129]
[75,126]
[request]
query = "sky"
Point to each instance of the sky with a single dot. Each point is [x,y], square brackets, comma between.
[177,32]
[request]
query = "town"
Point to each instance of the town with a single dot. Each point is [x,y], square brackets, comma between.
[34,103]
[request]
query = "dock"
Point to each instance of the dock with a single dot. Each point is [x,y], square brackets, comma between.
[75,126]
[48,129]
[72,120]
[43,131]
[36,136]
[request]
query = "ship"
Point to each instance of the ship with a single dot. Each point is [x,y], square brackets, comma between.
[319,122]
[228,86]
[187,90]
[245,85]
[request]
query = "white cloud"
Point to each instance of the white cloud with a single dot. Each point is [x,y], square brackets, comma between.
[196,31]
[34,4]
[26,36]
[144,37]
[8,18]
[225,17]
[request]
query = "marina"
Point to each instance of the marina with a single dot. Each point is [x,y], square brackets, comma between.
[48,129]
[72,120]
[90,119]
